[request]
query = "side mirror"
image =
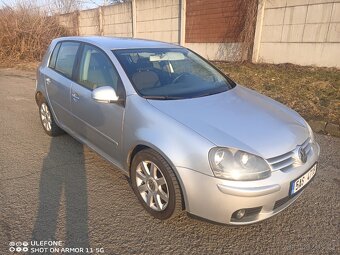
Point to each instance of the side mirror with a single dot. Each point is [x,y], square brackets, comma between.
[105,94]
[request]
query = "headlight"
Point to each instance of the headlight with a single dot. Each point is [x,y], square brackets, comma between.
[237,165]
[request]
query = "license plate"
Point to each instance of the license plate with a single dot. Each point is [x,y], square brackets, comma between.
[302,181]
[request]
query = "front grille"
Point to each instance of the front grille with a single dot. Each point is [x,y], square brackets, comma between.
[287,160]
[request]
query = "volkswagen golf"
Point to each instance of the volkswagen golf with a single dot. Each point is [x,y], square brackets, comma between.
[188,137]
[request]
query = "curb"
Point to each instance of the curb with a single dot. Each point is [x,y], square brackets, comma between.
[324,127]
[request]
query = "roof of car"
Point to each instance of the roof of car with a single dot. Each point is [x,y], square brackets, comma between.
[111,43]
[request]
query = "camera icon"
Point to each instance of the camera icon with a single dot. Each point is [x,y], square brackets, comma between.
[25,243]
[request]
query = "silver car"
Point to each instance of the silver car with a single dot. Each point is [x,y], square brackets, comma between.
[188,137]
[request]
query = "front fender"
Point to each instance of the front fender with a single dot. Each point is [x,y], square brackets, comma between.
[179,145]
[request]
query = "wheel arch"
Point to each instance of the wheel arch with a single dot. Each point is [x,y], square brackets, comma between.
[142,146]
[39,97]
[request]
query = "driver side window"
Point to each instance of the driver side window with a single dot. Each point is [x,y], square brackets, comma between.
[96,70]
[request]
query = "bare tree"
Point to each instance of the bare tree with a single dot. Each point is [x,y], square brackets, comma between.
[65,6]
[116,1]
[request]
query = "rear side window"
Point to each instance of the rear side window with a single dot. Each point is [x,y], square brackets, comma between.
[66,58]
[54,56]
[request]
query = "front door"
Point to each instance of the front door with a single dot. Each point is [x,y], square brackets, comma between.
[99,124]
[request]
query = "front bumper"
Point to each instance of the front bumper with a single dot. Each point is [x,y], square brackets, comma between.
[218,200]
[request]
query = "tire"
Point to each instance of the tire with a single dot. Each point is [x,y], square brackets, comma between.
[47,120]
[153,189]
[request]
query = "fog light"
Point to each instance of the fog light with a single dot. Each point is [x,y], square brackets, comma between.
[240,213]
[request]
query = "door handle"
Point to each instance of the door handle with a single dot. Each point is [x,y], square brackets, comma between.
[48,81]
[75,96]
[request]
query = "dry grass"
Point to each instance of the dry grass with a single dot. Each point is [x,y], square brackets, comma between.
[311,91]
[25,33]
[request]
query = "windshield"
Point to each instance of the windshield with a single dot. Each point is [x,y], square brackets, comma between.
[171,73]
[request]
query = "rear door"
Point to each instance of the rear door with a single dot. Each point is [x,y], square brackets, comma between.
[100,124]
[58,80]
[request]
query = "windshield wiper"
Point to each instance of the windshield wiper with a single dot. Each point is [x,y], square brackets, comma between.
[214,92]
[163,97]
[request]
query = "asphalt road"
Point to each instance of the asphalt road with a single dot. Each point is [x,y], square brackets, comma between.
[57,189]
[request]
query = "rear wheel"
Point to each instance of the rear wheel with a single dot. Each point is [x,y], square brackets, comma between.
[155,185]
[49,125]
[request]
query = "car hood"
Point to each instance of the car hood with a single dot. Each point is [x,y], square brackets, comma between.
[240,118]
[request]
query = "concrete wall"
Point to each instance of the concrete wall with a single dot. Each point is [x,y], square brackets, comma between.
[162,20]
[217,51]
[158,20]
[89,22]
[117,20]
[304,32]
[70,22]
[147,19]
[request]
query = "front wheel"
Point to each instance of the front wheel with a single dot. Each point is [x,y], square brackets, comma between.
[155,185]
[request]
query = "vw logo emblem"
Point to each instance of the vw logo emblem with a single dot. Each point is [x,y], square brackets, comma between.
[302,155]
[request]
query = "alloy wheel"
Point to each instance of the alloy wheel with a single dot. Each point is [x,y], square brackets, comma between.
[45,117]
[152,185]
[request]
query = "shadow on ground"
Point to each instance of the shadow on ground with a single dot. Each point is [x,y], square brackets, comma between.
[63,176]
